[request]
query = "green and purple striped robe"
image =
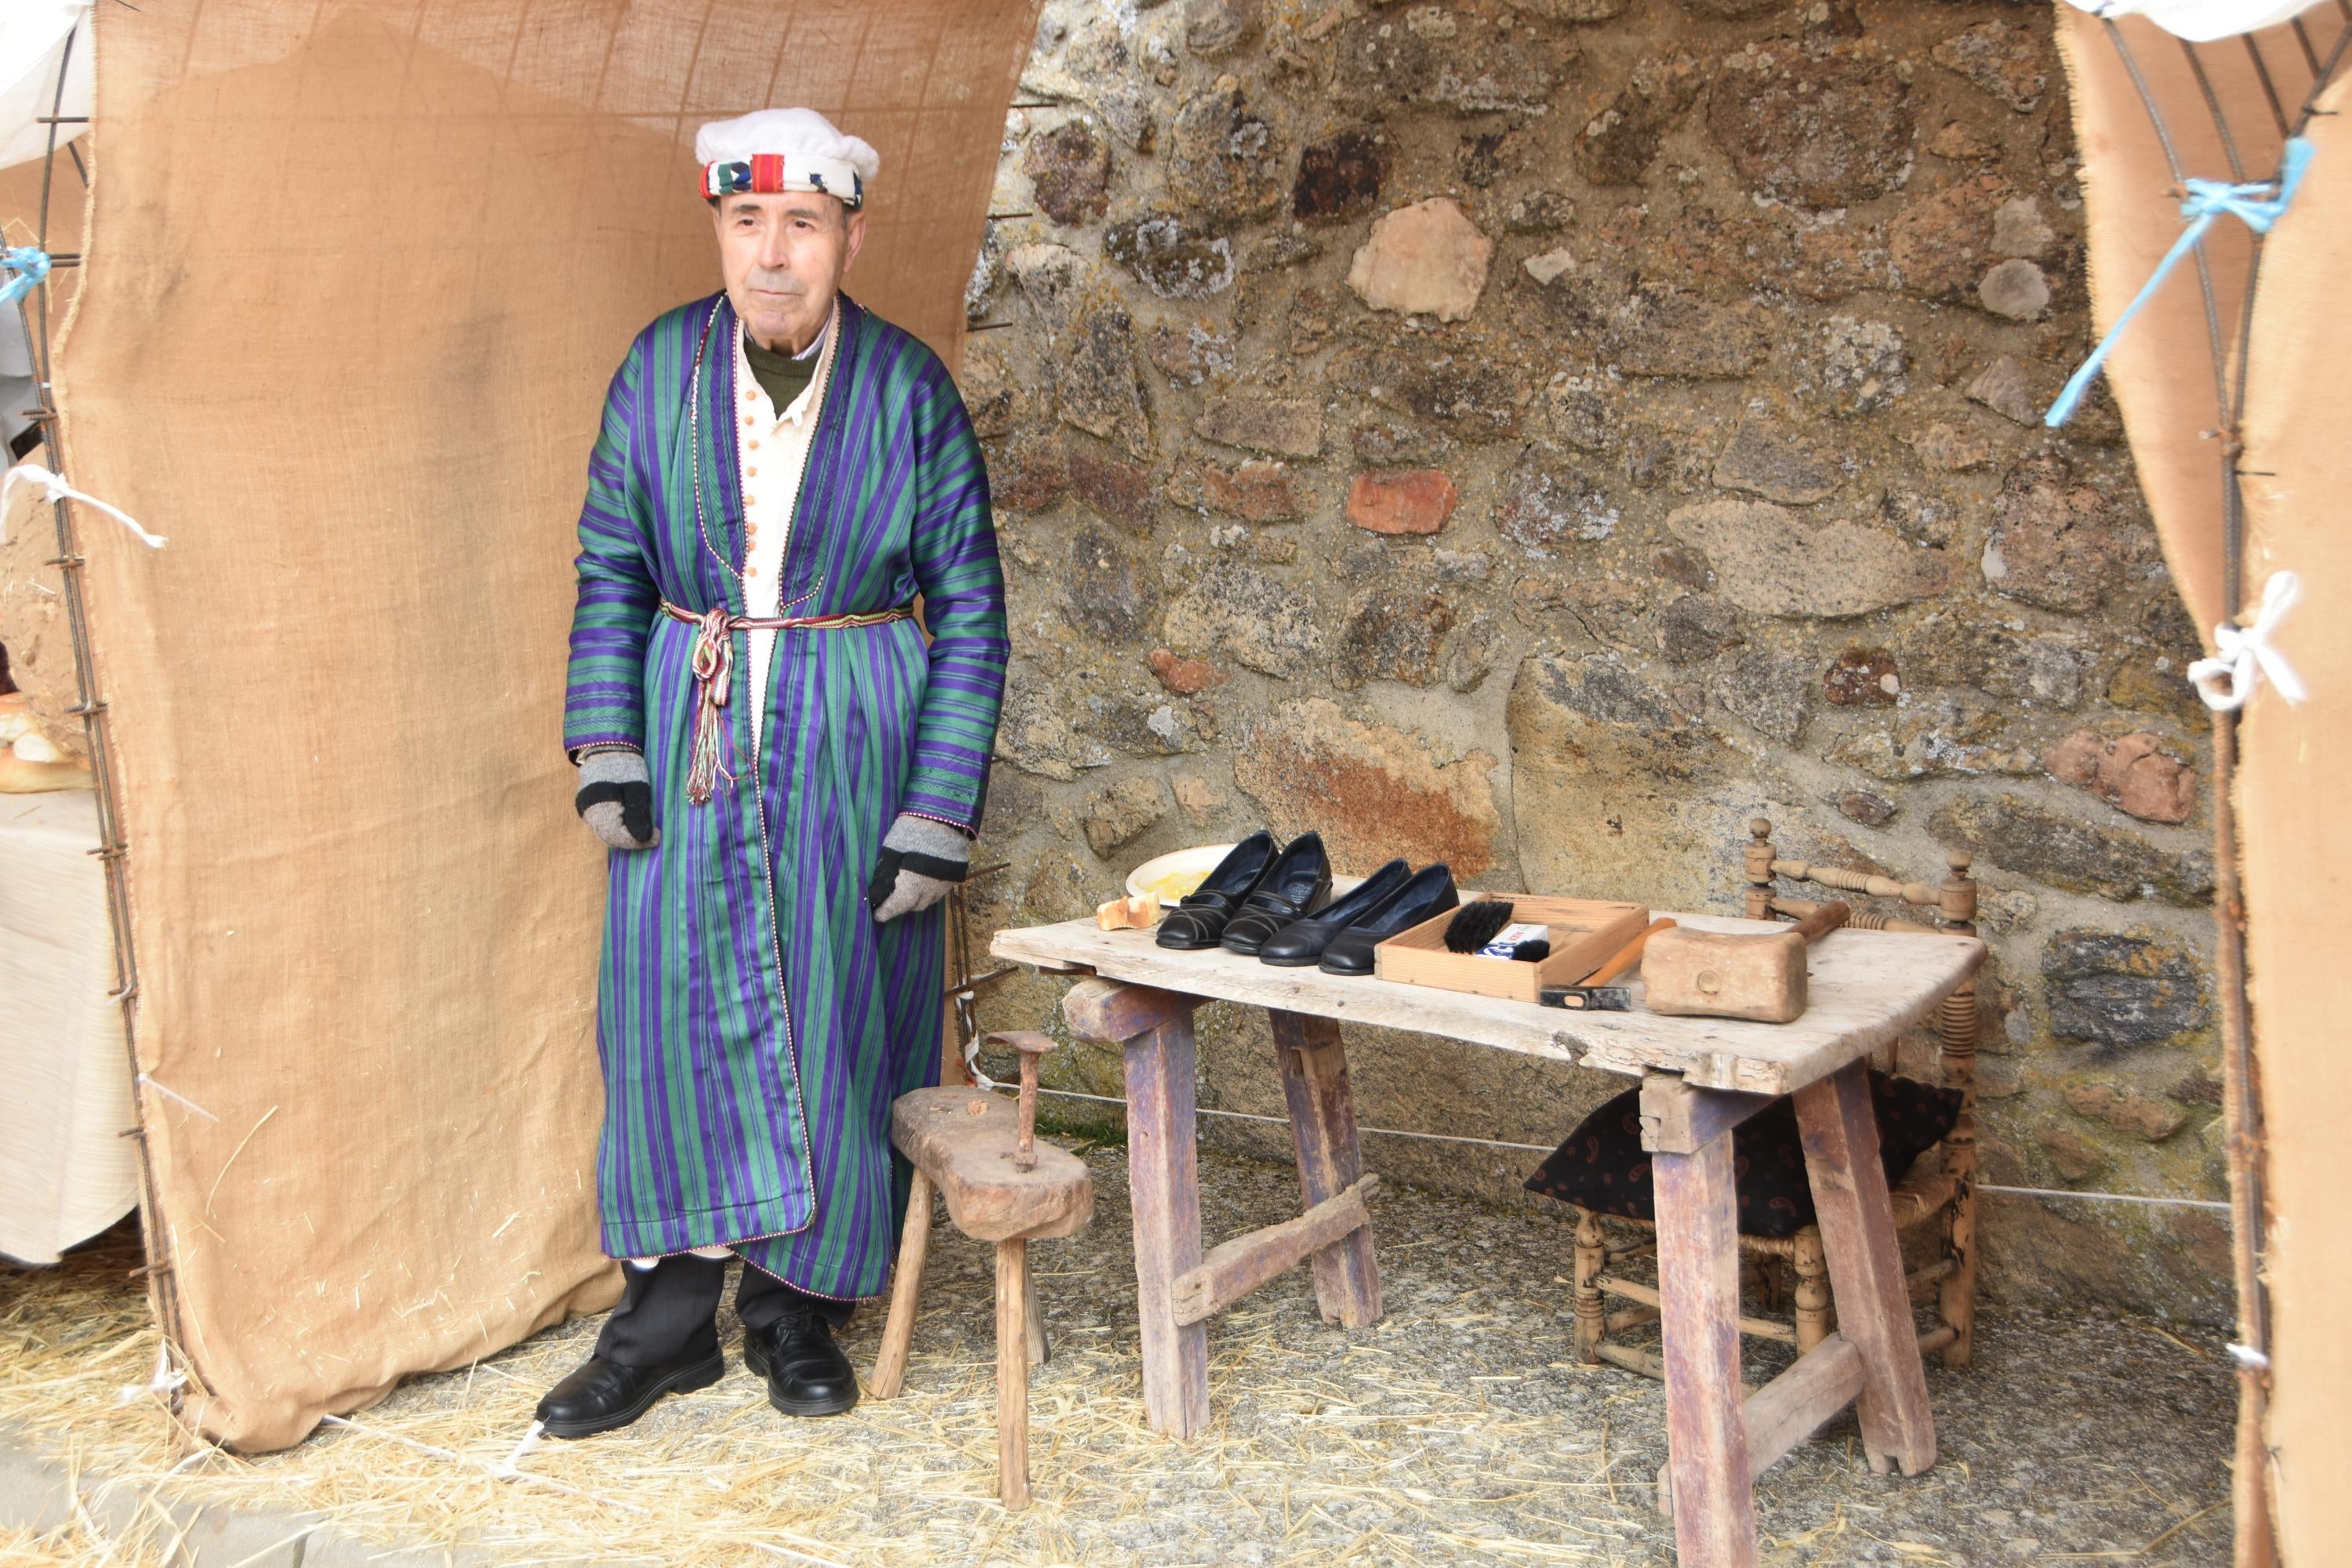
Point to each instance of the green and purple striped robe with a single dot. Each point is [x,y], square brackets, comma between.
[754,1024]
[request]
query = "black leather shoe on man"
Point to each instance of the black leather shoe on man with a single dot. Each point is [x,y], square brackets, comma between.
[807,1374]
[604,1395]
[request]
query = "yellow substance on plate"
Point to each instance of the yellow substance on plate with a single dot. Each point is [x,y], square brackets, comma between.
[1174,887]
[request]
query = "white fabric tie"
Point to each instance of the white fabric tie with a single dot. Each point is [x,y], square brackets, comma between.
[2243,655]
[57,489]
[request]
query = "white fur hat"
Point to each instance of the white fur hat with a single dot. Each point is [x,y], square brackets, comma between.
[771,149]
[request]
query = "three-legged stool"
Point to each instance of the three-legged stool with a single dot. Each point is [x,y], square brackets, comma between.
[1002,1186]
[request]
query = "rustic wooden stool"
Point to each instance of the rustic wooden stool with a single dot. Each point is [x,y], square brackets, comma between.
[982,1151]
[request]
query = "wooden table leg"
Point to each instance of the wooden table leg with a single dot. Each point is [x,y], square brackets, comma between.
[1698,1290]
[1154,1029]
[1323,1130]
[1164,1183]
[1841,1138]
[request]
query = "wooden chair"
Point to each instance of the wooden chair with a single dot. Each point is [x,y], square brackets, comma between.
[1939,1189]
[982,1151]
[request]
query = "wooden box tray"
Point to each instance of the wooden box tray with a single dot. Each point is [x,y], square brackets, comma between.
[1584,933]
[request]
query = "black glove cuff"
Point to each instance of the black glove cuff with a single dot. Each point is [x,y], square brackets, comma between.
[637,798]
[933,866]
[595,794]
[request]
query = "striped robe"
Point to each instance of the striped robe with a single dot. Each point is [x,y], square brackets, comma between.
[753,1023]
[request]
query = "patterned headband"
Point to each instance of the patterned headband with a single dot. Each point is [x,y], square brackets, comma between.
[768,174]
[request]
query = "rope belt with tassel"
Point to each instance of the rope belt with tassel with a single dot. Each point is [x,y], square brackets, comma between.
[714,668]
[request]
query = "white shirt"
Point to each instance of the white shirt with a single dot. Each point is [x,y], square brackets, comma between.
[773,449]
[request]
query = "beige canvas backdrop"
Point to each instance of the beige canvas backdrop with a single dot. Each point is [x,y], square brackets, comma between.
[2295,855]
[359,275]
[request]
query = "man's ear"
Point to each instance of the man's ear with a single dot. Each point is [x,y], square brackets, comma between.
[856,224]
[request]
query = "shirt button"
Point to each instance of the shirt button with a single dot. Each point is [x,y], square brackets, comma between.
[754,442]
[749,423]
[753,472]
[751,570]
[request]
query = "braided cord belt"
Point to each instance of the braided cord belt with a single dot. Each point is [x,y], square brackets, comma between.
[713,664]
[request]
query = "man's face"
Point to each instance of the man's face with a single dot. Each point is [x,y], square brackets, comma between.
[784,257]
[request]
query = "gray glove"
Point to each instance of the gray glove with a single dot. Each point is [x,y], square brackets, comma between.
[922,859]
[616,799]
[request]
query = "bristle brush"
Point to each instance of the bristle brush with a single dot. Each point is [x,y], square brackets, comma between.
[1476,924]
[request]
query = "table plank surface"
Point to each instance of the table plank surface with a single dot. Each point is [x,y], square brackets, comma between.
[1866,988]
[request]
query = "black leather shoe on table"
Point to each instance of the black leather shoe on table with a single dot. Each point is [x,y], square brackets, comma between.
[1298,883]
[603,1394]
[1302,942]
[1430,892]
[1200,920]
[807,1374]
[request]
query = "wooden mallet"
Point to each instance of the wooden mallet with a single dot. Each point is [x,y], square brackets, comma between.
[1717,974]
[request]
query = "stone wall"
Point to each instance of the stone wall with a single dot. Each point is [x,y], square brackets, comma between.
[1542,436]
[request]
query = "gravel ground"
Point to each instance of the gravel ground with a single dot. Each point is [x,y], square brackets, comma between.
[1457,1430]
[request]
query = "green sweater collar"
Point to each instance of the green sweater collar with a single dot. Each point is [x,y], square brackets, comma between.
[783,377]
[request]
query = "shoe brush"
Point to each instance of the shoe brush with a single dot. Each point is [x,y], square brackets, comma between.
[1476,924]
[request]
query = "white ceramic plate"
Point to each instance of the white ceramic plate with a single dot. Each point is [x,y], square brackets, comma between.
[1173,875]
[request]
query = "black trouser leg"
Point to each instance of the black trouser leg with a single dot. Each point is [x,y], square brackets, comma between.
[667,1312]
[761,1299]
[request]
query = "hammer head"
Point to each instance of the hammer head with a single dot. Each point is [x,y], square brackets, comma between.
[1718,975]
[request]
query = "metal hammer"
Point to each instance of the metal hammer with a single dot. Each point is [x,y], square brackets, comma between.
[1593,994]
[1718,974]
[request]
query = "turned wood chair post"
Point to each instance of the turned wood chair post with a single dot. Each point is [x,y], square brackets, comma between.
[1760,868]
[1956,900]
[1956,1021]
[1592,1256]
[1816,1313]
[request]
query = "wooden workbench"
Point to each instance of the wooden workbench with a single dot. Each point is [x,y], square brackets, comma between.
[1700,1078]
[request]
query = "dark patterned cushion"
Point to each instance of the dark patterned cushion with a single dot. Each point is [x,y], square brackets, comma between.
[1602,1166]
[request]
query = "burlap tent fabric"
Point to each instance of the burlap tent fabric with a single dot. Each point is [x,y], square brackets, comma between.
[359,276]
[2295,854]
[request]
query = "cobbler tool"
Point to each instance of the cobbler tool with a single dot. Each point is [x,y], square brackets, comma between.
[1721,975]
[1593,994]
[1475,924]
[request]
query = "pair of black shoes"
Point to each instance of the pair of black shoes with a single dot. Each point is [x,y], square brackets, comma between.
[1339,939]
[1259,888]
[1275,903]
[807,1374]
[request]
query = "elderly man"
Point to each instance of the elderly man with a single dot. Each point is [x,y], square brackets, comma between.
[787,775]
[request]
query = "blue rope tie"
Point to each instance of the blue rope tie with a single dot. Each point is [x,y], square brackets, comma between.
[2258,206]
[30,264]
